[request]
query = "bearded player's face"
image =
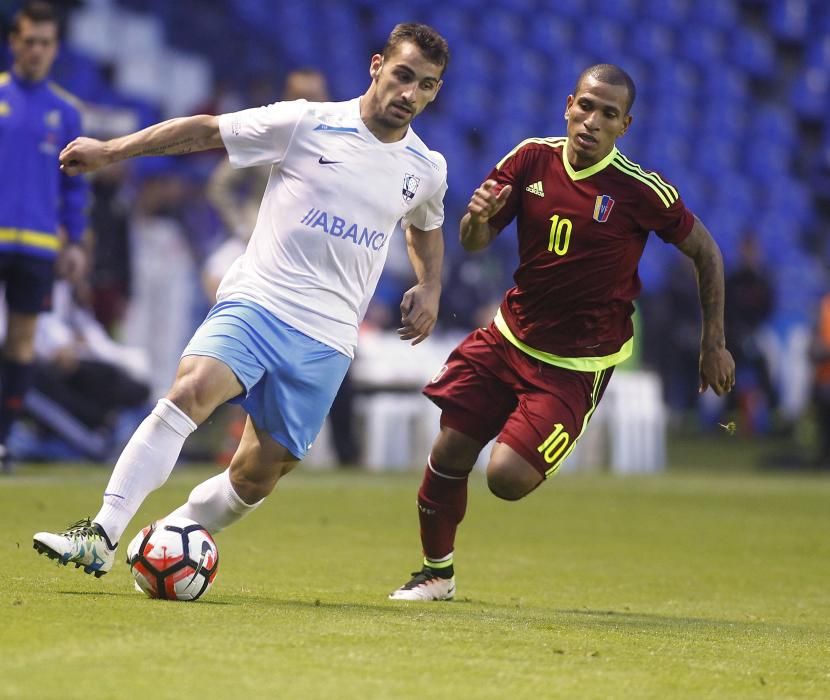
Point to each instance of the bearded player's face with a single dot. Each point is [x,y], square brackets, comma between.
[405,83]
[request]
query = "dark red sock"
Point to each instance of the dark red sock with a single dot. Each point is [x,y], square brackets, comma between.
[442,502]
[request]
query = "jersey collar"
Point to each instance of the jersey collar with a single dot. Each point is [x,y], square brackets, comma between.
[586,172]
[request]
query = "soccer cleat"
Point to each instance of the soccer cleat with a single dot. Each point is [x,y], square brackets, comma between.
[425,585]
[84,544]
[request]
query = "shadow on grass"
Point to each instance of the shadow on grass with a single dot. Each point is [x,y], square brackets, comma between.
[135,595]
[543,619]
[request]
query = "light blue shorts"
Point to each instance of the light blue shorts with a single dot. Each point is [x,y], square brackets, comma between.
[290,379]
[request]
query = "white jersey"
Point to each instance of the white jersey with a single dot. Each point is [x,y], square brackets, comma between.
[334,198]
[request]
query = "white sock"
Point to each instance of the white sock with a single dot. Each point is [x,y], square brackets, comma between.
[214,504]
[143,466]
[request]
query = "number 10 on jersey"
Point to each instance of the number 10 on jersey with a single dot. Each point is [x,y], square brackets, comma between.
[560,235]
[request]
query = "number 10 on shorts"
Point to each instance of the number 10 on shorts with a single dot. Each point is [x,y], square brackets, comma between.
[554,444]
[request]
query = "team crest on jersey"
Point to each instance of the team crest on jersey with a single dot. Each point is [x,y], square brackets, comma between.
[410,186]
[602,208]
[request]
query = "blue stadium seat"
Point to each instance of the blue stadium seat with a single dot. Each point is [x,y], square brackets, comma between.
[670,13]
[501,30]
[753,52]
[810,94]
[725,83]
[702,45]
[789,19]
[767,161]
[653,41]
[774,123]
[550,33]
[623,11]
[715,13]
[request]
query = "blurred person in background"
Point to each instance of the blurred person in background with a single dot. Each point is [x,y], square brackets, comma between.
[109,224]
[236,194]
[820,356]
[283,333]
[533,378]
[749,306]
[163,272]
[84,380]
[42,217]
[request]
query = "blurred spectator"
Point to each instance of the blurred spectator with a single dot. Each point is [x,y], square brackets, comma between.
[82,371]
[820,355]
[109,223]
[160,315]
[671,336]
[41,210]
[749,306]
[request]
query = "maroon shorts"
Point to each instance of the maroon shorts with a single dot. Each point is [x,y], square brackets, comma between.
[490,388]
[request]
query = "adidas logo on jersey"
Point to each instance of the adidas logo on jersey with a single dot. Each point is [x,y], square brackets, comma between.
[536,188]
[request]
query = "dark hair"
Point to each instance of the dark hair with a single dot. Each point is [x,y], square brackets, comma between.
[431,43]
[613,75]
[36,12]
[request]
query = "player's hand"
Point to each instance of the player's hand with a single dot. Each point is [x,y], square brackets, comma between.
[71,263]
[717,370]
[487,201]
[83,155]
[419,312]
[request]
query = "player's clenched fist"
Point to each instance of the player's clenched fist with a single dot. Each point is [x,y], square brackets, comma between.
[82,155]
[487,200]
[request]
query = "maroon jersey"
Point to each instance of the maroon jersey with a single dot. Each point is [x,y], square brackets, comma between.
[581,235]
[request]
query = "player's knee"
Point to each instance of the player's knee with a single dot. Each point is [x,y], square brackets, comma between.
[192,397]
[509,482]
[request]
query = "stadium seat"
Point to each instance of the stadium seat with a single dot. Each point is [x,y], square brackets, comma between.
[789,19]
[753,52]
[670,13]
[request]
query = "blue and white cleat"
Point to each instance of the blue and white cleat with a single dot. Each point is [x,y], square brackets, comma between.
[84,544]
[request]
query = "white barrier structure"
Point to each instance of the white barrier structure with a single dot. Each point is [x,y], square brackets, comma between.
[398,424]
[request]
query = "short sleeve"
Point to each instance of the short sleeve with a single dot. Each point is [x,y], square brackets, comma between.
[262,135]
[428,215]
[664,211]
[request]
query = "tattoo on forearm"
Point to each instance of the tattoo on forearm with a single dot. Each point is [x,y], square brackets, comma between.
[711,289]
[182,146]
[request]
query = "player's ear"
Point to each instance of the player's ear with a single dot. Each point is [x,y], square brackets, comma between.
[626,123]
[437,89]
[375,66]
[568,103]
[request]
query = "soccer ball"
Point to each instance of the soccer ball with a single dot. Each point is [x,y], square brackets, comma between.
[174,559]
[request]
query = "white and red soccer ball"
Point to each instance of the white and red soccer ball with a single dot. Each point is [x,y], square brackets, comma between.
[173,559]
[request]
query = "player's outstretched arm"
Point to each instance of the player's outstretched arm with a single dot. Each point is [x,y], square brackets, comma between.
[172,137]
[486,202]
[717,368]
[419,306]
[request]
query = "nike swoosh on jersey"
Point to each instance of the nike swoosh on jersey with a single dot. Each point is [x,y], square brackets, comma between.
[325,161]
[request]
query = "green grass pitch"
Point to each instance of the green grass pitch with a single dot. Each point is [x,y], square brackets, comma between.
[679,586]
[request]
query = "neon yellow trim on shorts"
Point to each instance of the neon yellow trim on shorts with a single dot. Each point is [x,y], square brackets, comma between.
[35,239]
[580,364]
[598,378]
